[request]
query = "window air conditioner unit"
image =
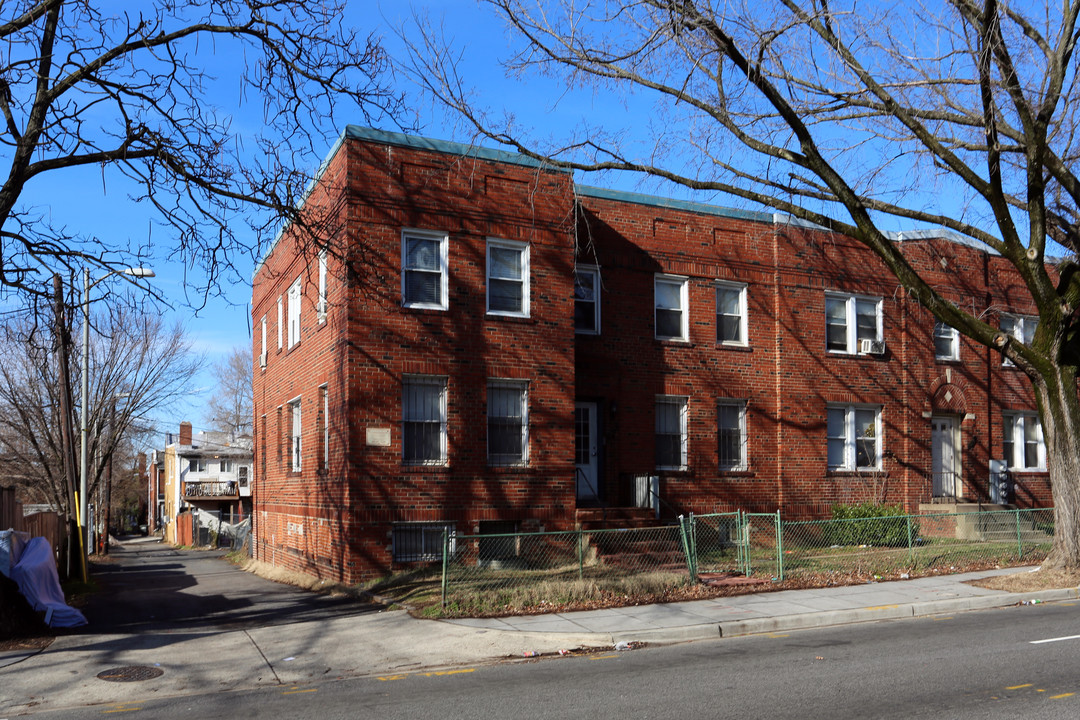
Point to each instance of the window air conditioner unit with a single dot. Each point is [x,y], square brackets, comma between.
[262,360]
[872,347]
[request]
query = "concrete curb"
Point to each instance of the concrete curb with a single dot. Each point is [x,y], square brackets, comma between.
[831,618]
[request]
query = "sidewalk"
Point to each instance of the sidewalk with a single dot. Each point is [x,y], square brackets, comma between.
[777,611]
[248,632]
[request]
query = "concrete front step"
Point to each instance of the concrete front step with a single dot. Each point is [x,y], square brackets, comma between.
[615,518]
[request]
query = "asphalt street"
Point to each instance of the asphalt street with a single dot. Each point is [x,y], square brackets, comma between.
[1005,663]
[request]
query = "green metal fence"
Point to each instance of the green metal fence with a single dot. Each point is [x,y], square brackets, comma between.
[563,566]
[941,542]
[486,573]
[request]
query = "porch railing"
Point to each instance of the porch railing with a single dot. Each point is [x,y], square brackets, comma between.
[211,488]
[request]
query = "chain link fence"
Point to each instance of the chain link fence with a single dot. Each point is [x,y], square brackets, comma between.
[908,544]
[487,574]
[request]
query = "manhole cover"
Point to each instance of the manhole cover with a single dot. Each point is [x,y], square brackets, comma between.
[132,673]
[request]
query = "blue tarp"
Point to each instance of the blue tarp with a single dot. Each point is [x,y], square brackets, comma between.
[11,545]
[35,573]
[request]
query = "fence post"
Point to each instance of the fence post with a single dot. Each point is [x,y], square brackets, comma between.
[779,548]
[580,555]
[693,547]
[1019,537]
[910,544]
[742,541]
[445,562]
[686,547]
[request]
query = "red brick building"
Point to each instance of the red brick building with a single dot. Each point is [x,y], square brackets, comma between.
[485,346]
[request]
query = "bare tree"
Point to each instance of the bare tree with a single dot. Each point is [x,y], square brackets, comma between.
[138,367]
[230,407]
[90,83]
[858,119]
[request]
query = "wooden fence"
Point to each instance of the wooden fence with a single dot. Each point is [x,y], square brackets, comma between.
[50,525]
[11,515]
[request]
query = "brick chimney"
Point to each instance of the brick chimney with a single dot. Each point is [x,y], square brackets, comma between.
[185,433]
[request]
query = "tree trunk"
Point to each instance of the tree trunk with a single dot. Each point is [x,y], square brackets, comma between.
[1060,406]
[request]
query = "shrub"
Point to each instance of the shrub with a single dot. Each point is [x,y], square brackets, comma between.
[869,524]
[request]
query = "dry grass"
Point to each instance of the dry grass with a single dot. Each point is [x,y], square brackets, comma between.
[1030,581]
[298,579]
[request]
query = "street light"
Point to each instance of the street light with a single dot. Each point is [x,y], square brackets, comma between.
[135,272]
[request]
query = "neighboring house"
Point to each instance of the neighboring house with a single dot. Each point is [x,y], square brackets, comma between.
[486,347]
[209,471]
[155,491]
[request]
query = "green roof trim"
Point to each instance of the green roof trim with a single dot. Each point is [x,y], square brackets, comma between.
[688,205]
[385,137]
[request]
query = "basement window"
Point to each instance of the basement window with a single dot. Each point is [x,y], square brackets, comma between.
[421,542]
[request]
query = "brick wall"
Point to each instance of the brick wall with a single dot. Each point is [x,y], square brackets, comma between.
[336,521]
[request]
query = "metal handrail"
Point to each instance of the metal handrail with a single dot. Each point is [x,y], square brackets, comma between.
[663,502]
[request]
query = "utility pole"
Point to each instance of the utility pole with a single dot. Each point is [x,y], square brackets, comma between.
[66,429]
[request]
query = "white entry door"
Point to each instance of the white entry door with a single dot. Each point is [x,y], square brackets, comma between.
[945,456]
[585,446]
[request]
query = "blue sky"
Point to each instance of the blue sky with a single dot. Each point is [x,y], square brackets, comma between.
[95,203]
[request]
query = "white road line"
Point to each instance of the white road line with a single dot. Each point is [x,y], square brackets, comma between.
[1070,637]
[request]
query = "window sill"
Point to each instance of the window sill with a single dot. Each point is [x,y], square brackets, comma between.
[1028,471]
[675,342]
[854,355]
[736,472]
[854,471]
[425,308]
[947,361]
[510,468]
[738,347]
[420,469]
[509,318]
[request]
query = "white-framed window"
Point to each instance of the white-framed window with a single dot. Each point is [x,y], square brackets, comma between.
[424,269]
[1022,438]
[671,296]
[854,437]
[1021,328]
[731,313]
[507,278]
[423,420]
[946,342]
[671,436]
[295,430]
[508,422]
[731,434]
[587,300]
[849,319]
[320,307]
[226,466]
[197,465]
[280,322]
[324,426]
[294,297]
[262,351]
[242,475]
[421,542]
